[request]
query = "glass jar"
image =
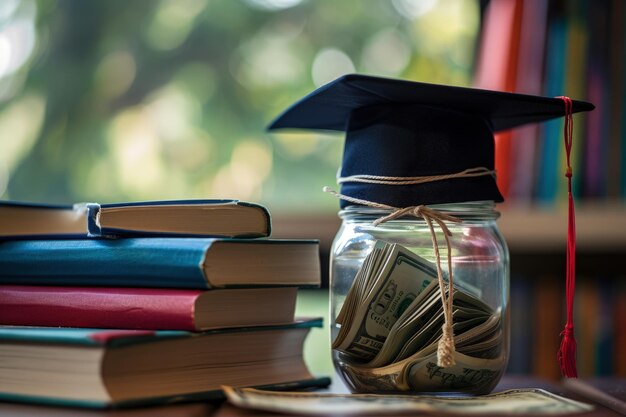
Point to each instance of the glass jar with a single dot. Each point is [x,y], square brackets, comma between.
[480,266]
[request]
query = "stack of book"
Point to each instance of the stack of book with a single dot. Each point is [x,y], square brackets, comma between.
[125,304]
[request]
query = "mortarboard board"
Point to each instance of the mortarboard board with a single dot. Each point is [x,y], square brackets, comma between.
[397,128]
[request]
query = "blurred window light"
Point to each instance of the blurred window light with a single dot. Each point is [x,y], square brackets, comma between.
[4,180]
[172,112]
[170,98]
[330,63]
[255,155]
[115,74]
[267,61]
[8,8]
[20,125]
[136,152]
[198,79]
[453,22]
[172,23]
[386,53]
[245,175]
[195,152]
[413,9]
[296,146]
[17,41]
[273,4]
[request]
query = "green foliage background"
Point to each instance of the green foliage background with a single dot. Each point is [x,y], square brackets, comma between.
[135,99]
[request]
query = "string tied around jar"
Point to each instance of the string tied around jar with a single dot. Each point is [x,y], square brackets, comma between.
[445,346]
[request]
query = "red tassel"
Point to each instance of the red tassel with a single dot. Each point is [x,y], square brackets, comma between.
[567,352]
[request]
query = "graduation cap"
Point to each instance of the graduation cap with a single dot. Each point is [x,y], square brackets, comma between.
[404,129]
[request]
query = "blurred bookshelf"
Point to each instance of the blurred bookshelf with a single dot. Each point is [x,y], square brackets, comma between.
[575,48]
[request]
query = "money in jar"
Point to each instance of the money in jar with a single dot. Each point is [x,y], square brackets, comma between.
[386,309]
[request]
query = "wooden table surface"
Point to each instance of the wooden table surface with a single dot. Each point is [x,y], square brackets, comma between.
[222,409]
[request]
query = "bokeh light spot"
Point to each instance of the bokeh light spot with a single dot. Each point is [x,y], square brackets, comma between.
[386,53]
[20,125]
[330,63]
[115,74]
[273,4]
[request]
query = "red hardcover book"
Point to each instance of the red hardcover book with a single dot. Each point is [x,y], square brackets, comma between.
[529,80]
[145,308]
[497,69]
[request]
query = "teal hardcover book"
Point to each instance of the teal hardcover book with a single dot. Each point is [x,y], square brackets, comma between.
[198,263]
[552,130]
[115,368]
[215,218]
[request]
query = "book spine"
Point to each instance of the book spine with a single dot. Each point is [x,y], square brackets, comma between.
[617,94]
[552,129]
[587,332]
[596,163]
[547,323]
[619,324]
[604,324]
[116,308]
[575,80]
[622,108]
[160,263]
[529,81]
[497,70]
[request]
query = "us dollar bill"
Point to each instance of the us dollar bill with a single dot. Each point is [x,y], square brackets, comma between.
[383,292]
[391,322]
[517,401]
[420,373]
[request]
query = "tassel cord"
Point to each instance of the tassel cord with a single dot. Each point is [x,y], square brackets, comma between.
[567,352]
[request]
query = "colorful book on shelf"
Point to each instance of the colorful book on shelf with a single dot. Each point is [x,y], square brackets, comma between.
[552,130]
[617,68]
[619,324]
[605,340]
[585,316]
[575,78]
[528,81]
[146,308]
[547,323]
[115,368]
[598,91]
[217,218]
[621,93]
[497,69]
[197,263]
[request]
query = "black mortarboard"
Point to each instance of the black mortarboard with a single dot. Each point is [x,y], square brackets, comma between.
[409,129]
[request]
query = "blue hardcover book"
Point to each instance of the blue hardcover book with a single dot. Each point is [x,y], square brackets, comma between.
[605,340]
[215,218]
[115,368]
[199,263]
